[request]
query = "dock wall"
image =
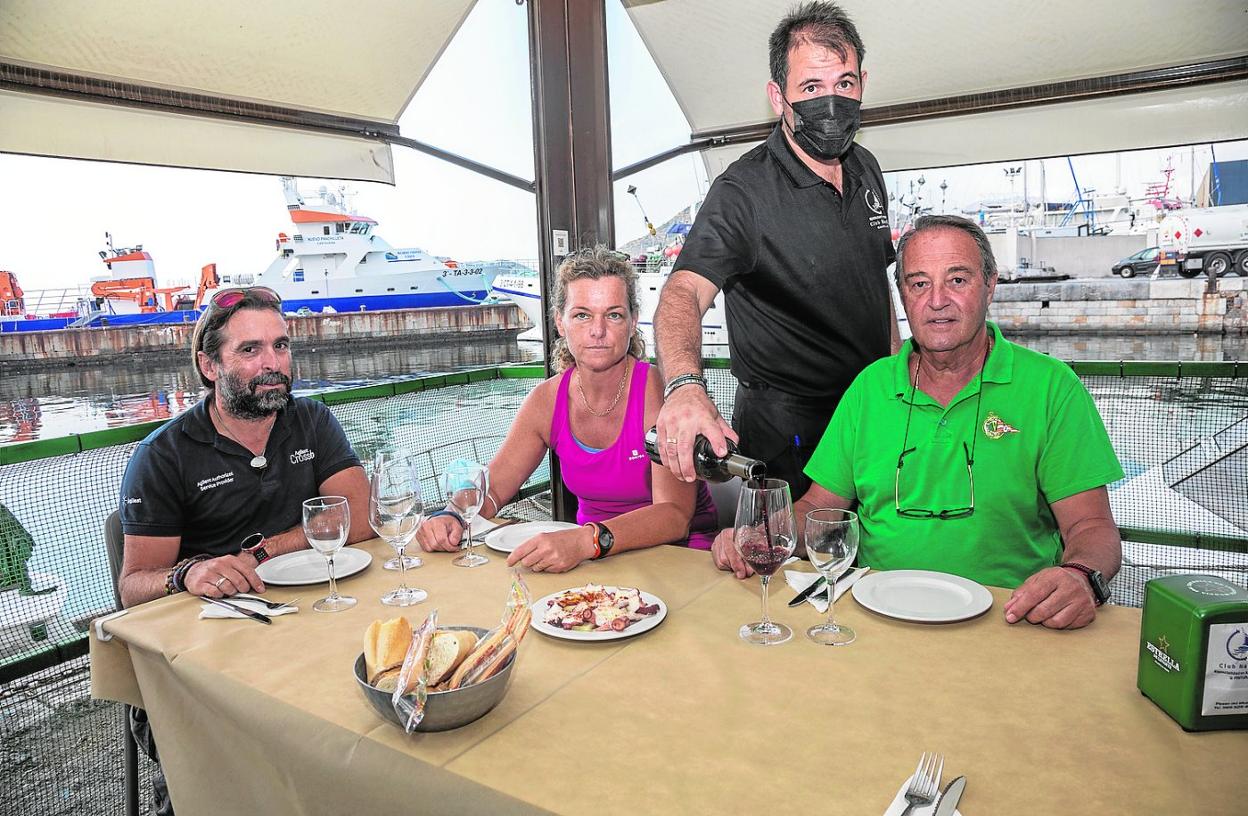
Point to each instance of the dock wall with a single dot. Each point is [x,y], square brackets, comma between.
[1120,307]
[1077,257]
[22,351]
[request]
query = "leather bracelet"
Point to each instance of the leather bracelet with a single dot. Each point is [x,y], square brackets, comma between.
[683,380]
[450,513]
[180,572]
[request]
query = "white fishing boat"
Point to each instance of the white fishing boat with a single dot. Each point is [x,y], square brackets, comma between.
[333,261]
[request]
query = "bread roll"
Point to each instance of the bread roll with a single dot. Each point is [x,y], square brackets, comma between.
[385,646]
[447,651]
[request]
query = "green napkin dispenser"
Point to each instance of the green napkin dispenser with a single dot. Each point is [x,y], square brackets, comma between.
[1194,651]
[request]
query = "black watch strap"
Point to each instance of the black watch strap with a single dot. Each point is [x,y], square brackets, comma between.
[1100,587]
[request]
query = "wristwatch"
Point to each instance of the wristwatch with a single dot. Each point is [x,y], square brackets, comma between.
[257,551]
[604,540]
[1100,587]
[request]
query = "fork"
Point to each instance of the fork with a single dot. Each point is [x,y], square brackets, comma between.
[271,605]
[925,782]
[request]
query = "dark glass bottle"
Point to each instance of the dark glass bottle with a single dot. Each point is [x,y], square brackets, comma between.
[709,466]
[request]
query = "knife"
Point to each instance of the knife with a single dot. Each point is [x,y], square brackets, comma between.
[949,799]
[256,616]
[821,583]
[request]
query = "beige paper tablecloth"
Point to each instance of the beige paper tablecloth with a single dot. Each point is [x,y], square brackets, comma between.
[683,719]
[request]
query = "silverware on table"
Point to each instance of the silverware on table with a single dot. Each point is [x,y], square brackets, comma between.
[821,584]
[925,783]
[273,605]
[256,616]
[948,801]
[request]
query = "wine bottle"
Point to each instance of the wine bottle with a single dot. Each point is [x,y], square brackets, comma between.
[710,467]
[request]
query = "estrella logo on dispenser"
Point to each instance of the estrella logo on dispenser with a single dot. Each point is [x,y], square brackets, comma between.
[1161,654]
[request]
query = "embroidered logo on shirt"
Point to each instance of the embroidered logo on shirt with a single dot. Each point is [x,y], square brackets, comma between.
[878,220]
[129,500]
[302,455]
[215,481]
[635,455]
[873,201]
[995,427]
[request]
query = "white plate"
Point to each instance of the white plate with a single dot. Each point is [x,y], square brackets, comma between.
[922,596]
[637,628]
[310,567]
[507,538]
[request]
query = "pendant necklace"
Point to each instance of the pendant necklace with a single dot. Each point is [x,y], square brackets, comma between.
[259,461]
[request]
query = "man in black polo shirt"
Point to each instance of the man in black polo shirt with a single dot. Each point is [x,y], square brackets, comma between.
[796,234]
[240,462]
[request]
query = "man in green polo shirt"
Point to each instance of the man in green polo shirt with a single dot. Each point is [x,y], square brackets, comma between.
[968,454]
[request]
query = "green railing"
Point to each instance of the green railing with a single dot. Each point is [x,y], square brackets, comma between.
[1181,431]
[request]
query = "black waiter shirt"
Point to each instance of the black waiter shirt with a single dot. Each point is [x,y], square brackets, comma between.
[802,267]
[187,480]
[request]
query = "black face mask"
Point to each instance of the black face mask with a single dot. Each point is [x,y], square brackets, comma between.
[825,126]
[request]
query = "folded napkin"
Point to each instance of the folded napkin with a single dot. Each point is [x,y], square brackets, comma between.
[899,804]
[211,610]
[800,580]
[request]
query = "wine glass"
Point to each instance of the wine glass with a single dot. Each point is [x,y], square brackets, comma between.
[326,521]
[395,512]
[831,540]
[764,537]
[466,485]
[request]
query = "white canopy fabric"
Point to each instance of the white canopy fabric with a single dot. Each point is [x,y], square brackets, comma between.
[920,50]
[361,60]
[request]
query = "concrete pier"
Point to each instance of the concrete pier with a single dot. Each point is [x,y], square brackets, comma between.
[25,351]
[1119,307]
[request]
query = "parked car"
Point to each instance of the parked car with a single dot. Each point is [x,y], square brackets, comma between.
[1141,263]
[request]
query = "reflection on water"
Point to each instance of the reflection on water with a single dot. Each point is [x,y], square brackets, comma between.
[49,404]
[1166,347]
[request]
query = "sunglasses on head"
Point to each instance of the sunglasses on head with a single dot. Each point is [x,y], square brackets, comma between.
[226,298]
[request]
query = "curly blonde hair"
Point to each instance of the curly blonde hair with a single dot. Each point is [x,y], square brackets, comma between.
[593,263]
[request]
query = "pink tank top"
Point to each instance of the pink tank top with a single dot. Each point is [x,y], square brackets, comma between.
[616,480]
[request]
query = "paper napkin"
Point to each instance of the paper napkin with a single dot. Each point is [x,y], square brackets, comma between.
[800,580]
[211,610]
[899,804]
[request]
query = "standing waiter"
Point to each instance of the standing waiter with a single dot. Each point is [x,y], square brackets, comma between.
[796,233]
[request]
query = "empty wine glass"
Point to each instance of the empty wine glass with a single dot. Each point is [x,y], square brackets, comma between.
[466,485]
[395,512]
[326,522]
[831,540]
[764,537]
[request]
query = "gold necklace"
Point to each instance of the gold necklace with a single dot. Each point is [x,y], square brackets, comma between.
[619,393]
[259,461]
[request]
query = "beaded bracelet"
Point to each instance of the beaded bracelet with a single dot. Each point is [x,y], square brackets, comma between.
[683,380]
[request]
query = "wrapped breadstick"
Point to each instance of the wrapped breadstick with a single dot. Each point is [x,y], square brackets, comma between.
[412,691]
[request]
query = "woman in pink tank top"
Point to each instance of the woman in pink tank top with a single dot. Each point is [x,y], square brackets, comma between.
[594,415]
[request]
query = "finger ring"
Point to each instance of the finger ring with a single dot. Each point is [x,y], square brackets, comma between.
[220,581]
[672,440]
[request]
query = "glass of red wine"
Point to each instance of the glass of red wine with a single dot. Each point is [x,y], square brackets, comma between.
[764,537]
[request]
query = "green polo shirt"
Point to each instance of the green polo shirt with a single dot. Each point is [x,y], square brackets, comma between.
[1037,439]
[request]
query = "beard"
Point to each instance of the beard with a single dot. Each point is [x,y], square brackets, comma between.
[240,398]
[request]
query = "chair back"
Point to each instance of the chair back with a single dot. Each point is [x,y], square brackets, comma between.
[114,541]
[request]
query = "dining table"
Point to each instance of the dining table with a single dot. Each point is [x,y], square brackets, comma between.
[684,718]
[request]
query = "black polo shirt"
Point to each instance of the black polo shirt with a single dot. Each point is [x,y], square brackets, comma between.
[802,267]
[187,480]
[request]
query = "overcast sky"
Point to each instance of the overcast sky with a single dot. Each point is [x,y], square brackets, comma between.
[54,212]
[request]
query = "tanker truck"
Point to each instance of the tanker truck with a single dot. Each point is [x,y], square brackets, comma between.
[1210,239]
